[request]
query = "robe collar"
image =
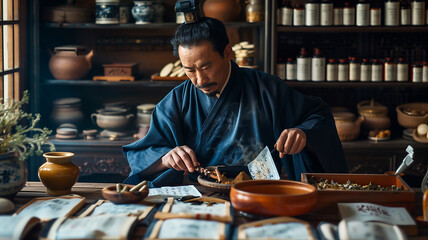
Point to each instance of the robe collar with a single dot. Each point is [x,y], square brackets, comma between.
[227,80]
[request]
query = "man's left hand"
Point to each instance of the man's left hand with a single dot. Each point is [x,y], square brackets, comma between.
[291,141]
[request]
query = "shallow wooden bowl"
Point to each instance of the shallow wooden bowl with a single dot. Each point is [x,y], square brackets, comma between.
[112,195]
[273,197]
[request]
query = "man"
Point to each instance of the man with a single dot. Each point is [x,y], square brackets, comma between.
[225,115]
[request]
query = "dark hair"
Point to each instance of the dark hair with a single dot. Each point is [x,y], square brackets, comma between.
[207,29]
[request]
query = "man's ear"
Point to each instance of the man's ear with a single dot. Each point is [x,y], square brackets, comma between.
[228,53]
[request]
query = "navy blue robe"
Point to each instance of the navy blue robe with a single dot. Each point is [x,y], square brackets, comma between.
[252,111]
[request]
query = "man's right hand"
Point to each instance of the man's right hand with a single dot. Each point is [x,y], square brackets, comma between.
[181,158]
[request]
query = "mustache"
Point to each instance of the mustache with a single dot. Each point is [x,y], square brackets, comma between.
[205,85]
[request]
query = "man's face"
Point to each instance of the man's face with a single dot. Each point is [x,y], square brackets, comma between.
[205,67]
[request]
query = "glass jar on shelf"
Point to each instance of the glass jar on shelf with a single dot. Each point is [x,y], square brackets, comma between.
[255,11]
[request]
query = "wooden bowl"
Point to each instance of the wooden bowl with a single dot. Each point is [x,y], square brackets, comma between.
[273,197]
[112,195]
[407,119]
[230,172]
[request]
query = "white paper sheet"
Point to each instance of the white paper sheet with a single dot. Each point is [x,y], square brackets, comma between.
[263,167]
[95,227]
[11,227]
[53,208]
[189,229]
[179,191]
[215,209]
[374,212]
[111,208]
[278,231]
[370,231]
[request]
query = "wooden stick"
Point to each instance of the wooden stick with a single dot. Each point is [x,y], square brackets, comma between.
[138,186]
[218,174]
[125,188]
[203,216]
[118,187]
[143,188]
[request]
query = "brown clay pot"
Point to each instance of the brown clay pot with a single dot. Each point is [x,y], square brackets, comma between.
[70,62]
[223,10]
[58,174]
[375,115]
[348,128]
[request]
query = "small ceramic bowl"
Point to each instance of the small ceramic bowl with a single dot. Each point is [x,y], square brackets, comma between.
[112,195]
[273,197]
[410,115]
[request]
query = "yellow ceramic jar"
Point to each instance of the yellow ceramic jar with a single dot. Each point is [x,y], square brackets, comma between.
[58,174]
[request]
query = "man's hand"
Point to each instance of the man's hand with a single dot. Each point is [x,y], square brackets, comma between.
[291,141]
[181,158]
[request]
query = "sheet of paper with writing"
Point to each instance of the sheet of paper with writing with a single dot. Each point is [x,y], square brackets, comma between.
[214,209]
[263,167]
[375,212]
[191,229]
[278,231]
[179,191]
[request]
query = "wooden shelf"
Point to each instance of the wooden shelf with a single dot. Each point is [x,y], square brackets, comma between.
[311,84]
[137,83]
[353,29]
[136,26]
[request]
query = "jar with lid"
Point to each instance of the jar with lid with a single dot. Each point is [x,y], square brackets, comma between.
[418,12]
[326,13]
[375,115]
[402,70]
[286,14]
[107,11]
[312,13]
[363,13]
[299,15]
[343,70]
[377,71]
[349,14]
[338,15]
[417,73]
[332,70]
[255,11]
[303,66]
[366,70]
[354,69]
[375,16]
[392,13]
[291,69]
[390,74]
[144,114]
[404,14]
[318,66]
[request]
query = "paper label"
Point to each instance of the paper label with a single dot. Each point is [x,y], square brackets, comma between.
[278,231]
[190,229]
[179,191]
[215,209]
[263,167]
[52,208]
[111,208]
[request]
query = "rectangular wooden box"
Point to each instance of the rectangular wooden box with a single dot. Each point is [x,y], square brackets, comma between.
[121,69]
[328,199]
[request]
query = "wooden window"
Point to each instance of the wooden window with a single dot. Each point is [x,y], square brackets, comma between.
[11,48]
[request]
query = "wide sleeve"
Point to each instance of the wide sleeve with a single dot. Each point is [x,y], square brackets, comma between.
[323,152]
[163,136]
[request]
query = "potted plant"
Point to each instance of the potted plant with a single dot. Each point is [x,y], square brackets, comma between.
[19,139]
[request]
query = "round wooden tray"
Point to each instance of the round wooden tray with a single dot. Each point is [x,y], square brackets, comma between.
[419,138]
[230,171]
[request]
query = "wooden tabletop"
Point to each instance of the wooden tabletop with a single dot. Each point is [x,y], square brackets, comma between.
[92,193]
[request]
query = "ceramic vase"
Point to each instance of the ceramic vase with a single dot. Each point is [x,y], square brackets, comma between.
[58,174]
[143,12]
[13,174]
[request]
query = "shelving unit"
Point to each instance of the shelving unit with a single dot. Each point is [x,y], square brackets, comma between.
[363,156]
[111,43]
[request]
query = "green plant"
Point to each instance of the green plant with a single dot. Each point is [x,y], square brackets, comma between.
[18,129]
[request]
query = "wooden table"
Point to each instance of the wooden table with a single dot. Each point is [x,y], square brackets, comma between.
[92,192]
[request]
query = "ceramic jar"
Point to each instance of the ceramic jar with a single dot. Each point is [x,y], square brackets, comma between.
[144,115]
[112,121]
[67,110]
[58,174]
[107,12]
[70,62]
[348,127]
[223,10]
[375,115]
[255,11]
[143,12]
[13,174]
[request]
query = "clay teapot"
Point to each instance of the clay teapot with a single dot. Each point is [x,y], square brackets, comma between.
[223,10]
[375,115]
[348,128]
[70,62]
